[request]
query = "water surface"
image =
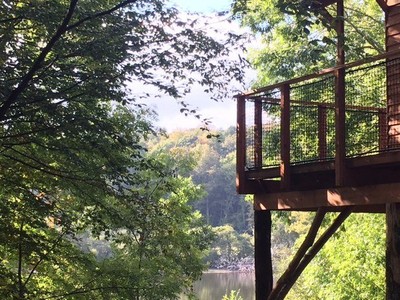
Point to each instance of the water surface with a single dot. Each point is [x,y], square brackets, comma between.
[215,284]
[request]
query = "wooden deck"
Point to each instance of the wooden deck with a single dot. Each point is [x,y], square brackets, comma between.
[371,182]
[310,142]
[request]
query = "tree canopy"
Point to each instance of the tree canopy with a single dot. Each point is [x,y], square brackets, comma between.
[72,155]
[297,40]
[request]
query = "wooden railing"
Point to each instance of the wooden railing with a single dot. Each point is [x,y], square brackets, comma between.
[329,116]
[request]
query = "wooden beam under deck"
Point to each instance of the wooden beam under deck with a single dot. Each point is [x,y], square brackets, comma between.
[388,159]
[370,198]
[382,168]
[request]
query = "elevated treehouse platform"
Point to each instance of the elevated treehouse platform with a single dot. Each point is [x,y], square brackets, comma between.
[325,140]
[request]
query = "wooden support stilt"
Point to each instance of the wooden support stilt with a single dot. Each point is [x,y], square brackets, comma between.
[263,257]
[393,251]
[340,104]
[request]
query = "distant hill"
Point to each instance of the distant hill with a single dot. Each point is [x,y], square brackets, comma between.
[211,163]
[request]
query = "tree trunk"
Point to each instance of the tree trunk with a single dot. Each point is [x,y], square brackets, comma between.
[393,251]
[263,258]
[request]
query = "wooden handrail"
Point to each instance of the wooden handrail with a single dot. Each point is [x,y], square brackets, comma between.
[276,101]
[389,54]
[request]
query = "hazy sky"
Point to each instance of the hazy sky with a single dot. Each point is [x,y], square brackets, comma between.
[203,5]
[222,114]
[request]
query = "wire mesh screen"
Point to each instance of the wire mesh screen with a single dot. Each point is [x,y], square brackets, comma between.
[312,121]
[330,134]
[271,128]
[250,129]
[263,132]
[312,117]
[365,102]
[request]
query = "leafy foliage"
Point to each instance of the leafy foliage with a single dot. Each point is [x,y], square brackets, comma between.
[233,295]
[211,163]
[229,248]
[350,266]
[71,147]
[298,38]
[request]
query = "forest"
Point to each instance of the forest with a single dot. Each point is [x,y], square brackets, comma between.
[99,203]
[350,266]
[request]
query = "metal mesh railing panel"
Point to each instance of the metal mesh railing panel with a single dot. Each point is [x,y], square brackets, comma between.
[366,86]
[271,134]
[314,91]
[330,136]
[365,99]
[310,103]
[303,133]
[312,117]
[362,132]
[271,128]
[250,145]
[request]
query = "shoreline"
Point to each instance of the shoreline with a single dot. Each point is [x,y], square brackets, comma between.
[224,271]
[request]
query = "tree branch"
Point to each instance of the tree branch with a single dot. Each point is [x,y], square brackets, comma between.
[307,258]
[49,172]
[100,14]
[19,18]
[26,133]
[41,259]
[301,252]
[20,284]
[349,8]
[12,98]
[371,41]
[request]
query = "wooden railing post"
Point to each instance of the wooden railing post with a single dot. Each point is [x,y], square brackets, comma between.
[383,136]
[258,134]
[340,116]
[285,137]
[392,74]
[241,144]
[322,131]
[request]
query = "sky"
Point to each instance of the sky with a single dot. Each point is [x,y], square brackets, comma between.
[204,6]
[222,114]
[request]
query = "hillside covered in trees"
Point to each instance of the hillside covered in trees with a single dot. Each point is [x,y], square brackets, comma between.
[210,163]
[341,265]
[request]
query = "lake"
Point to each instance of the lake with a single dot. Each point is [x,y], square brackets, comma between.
[215,284]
